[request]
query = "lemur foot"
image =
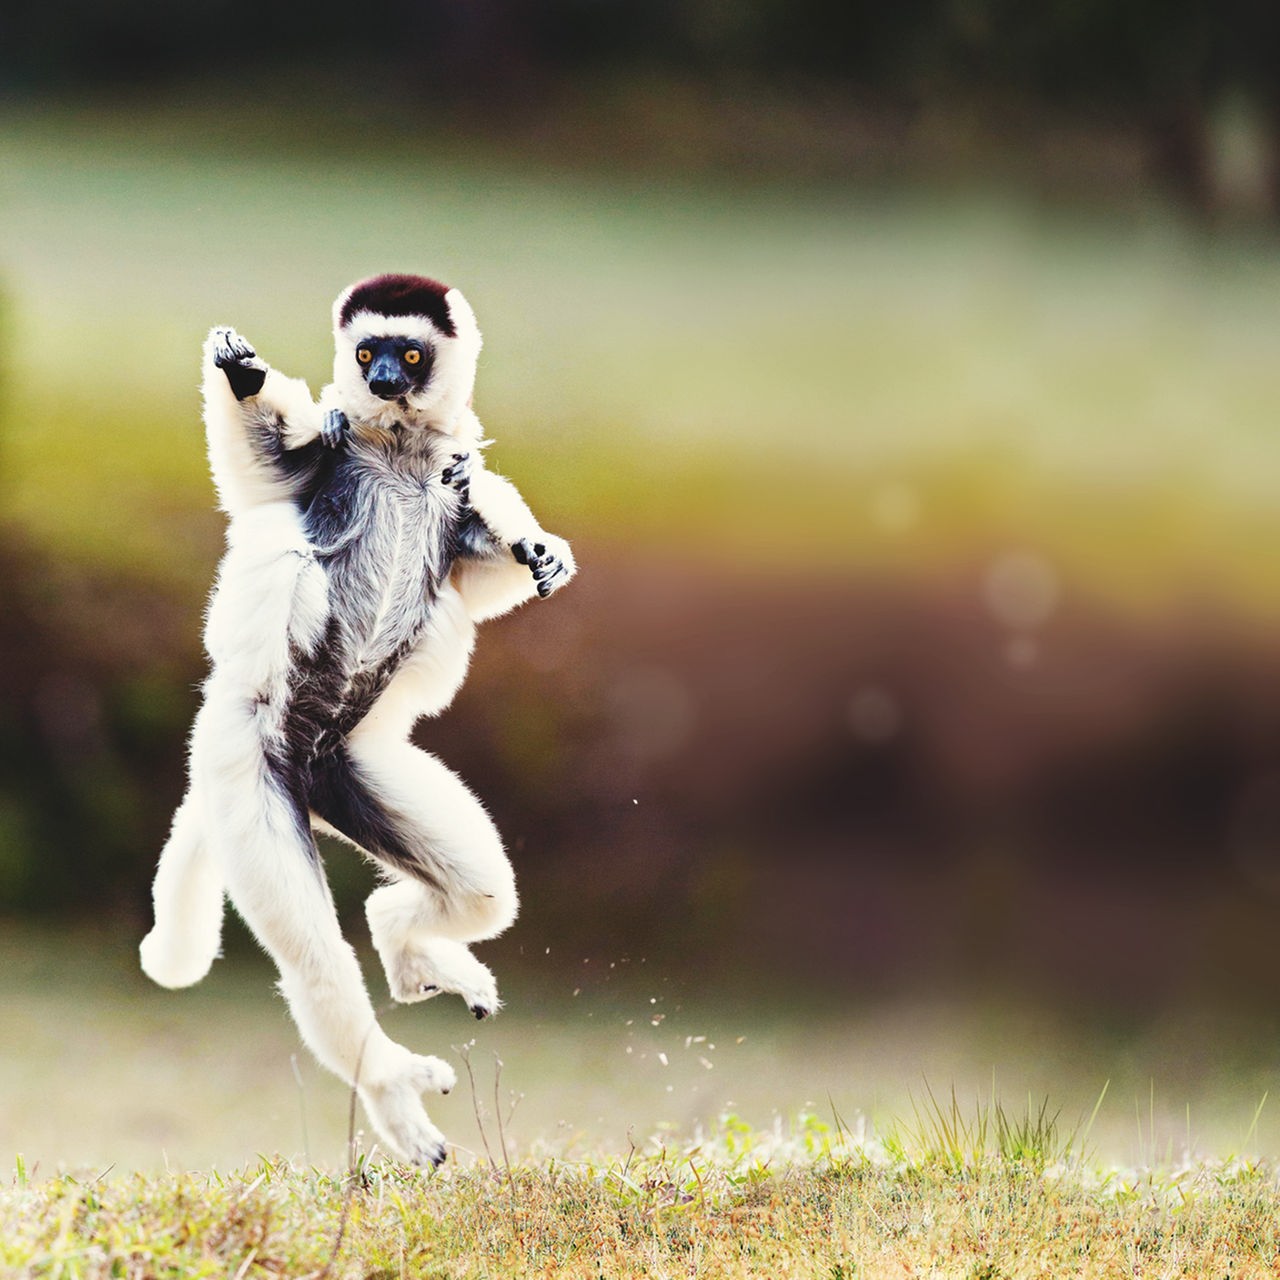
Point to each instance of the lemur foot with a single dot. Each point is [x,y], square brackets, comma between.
[395,1107]
[425,968]
[235,356]
[457,475]
[334,430]
[549,571]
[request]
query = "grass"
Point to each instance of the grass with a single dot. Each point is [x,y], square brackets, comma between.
[818,1201]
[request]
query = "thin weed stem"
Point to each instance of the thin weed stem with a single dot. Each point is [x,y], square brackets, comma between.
[353,1166]
[464,1052]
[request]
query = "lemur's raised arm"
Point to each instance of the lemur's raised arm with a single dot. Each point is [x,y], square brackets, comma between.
[264,431]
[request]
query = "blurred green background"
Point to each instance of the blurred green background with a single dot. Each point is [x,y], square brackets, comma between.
[905,380]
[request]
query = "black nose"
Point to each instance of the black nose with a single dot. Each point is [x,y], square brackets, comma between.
[385,379]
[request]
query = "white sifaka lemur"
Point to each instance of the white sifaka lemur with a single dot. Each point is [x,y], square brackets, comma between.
[365,541]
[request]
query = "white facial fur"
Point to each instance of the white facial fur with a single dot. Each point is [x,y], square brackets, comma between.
[441,404]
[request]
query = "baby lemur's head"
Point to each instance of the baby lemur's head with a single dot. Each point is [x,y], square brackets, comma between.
[405,350]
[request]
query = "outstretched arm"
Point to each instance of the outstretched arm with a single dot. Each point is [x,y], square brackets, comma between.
[505,557]
[265,433]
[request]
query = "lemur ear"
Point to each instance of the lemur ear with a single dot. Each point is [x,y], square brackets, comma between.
[339,308]
[464,319]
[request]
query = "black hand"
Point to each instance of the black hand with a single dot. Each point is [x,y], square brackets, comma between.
[548,570]
[239,361]
[457,475]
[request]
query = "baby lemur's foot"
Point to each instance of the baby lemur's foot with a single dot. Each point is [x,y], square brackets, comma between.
[235,356]
[427,967]
[394,1104]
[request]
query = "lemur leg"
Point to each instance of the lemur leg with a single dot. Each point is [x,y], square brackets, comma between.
[187,893]
[273,876]
[450,881]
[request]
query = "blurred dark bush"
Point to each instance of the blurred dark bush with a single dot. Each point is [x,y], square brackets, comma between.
[1120,51]
[1168,70]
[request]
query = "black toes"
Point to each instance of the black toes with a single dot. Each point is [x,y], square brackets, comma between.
[232,348]
[522,551]
[458,473]
[239,361]
[549,576]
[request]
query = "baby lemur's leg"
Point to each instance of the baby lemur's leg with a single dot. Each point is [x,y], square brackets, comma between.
[261,837]
[450,881]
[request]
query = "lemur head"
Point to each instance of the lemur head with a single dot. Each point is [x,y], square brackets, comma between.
[405,351]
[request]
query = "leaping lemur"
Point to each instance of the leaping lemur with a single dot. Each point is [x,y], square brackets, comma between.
[365,541]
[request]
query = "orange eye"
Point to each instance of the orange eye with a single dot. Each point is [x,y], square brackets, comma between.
[364,355]
[413,356]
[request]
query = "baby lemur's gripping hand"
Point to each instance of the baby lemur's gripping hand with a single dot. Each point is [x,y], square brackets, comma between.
[236,358]
[457,475]
[334,429]
[549,571]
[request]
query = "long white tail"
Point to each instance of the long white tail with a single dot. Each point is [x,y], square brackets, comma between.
[187,892]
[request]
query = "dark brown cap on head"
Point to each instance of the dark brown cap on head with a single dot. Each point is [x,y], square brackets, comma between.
[400,295]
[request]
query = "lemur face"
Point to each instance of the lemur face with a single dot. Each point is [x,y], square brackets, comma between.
[394,366]
[406,351]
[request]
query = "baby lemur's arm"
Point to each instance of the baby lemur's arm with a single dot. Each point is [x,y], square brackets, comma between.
[505,557]
[266,435]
